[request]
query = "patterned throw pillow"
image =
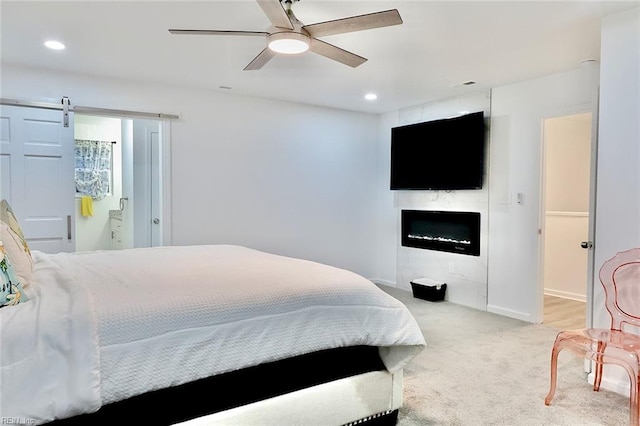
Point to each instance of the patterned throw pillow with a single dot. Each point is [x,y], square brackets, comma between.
[7,216]
[11,291]
[21,260]
[15,244]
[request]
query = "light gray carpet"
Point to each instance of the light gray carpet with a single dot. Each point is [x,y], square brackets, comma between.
[485,369]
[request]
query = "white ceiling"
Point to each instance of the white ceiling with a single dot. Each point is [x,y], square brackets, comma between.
[439,45]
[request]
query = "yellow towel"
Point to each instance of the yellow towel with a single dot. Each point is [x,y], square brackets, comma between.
[86,205]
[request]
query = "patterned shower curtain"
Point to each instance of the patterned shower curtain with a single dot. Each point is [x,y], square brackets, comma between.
[93,168]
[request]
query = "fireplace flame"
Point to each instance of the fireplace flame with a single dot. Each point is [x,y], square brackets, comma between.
[439,239]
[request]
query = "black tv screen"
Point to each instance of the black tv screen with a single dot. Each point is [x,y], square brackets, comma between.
[443,154]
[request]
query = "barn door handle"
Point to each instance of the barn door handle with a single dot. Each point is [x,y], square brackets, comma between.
[69,227]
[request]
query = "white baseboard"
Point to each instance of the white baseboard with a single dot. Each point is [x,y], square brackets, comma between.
[610,385]
[565,295]
[509,313]
[383,282]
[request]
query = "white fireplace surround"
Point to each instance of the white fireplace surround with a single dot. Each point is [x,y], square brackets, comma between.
[466,276]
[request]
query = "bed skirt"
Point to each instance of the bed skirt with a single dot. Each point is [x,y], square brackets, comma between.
[325,379]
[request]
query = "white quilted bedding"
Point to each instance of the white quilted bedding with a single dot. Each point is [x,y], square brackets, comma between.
[165,316]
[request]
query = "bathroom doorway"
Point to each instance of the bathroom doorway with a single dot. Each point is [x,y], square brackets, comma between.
[131,213]
[566,183]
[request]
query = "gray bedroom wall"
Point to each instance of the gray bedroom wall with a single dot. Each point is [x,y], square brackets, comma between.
[287,178]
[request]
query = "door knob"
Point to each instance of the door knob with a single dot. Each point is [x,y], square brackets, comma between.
[586,244]
[156,221]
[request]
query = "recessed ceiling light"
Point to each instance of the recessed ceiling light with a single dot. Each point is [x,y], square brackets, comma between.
[55,45]
[371,96]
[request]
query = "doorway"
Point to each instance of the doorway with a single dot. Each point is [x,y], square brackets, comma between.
[566,183]
[130,215]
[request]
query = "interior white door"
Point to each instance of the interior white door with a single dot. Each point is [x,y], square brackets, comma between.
[147,183]
[36,166]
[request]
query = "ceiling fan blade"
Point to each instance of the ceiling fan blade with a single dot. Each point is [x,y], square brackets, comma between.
[354,23]
[276,14]
[259,61]
[218,32]
[332,52]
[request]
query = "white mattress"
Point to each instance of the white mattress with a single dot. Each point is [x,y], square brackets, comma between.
[166,316]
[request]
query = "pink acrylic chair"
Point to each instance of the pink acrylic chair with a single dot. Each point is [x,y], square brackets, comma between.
[620,277]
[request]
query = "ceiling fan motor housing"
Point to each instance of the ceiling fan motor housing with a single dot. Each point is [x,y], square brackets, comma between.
[288,42]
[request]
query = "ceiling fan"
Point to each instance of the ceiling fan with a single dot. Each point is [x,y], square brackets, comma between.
[288,35]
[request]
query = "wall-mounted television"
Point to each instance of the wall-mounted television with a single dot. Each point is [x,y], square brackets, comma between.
[445,154]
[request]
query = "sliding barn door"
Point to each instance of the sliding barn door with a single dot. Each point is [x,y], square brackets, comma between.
[37,175]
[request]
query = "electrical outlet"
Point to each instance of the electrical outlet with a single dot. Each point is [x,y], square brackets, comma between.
[452,268]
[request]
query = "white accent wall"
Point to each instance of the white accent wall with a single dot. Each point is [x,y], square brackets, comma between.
[466,276]
[618,183]
[287,178]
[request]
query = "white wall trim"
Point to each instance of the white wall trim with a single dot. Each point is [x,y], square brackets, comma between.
[569,214]
[565,295]
[611,385]
[509,313]
[383,282]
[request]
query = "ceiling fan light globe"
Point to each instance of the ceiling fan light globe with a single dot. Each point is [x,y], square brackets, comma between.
[289,43]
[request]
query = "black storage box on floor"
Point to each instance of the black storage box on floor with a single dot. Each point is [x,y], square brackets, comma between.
[427,289]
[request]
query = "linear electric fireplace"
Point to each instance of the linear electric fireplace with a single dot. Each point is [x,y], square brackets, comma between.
[454,232]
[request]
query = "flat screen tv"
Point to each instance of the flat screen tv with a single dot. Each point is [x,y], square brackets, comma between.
[445,154]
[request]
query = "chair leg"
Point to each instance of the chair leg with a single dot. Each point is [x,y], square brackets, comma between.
[634,405]
[554,374]
[599,364]
[598,376]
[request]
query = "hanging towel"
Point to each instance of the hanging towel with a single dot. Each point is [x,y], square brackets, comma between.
[86,205]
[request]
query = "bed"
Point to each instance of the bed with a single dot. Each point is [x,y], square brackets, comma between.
[195,335]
